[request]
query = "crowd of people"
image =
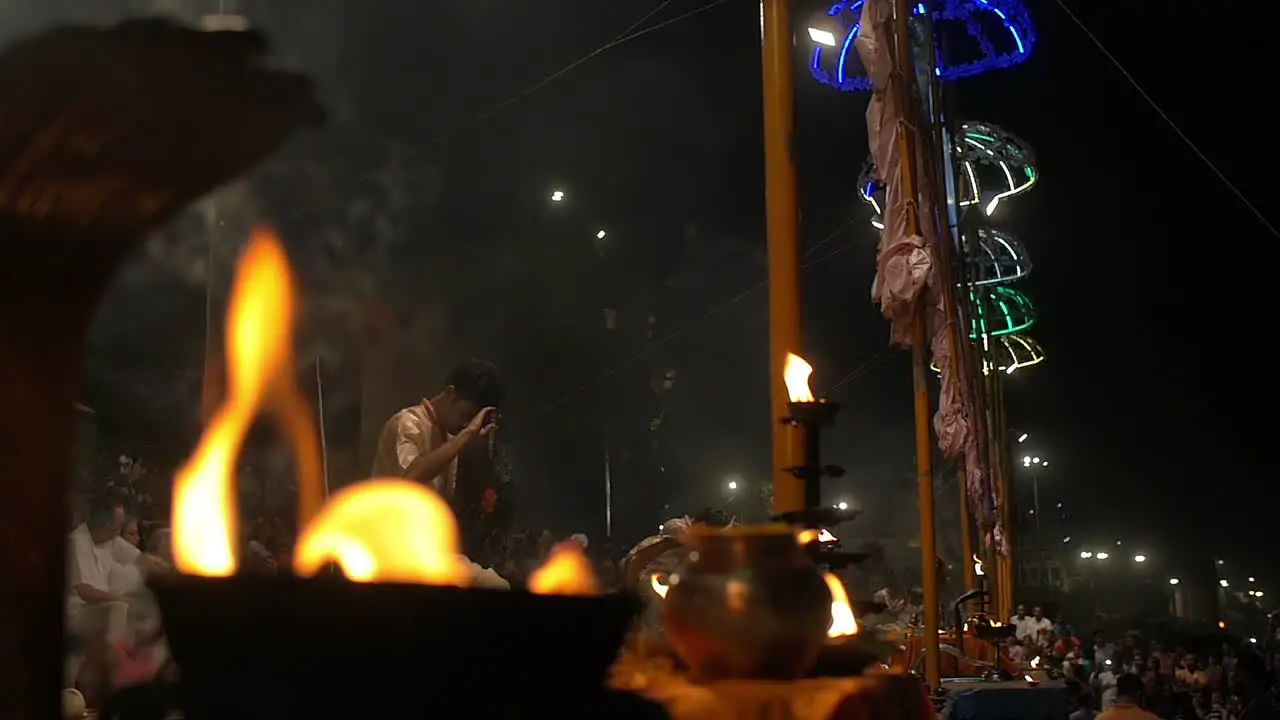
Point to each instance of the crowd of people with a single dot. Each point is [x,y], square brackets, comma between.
[1134,678]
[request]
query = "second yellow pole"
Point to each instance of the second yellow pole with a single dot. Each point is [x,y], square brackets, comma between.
[783,227]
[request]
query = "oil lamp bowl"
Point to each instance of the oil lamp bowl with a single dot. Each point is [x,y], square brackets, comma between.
[813,414]
[259,647]
[853,655]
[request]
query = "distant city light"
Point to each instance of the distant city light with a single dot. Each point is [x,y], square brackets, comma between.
[1066,540]
[1224,583]
[1253,640]
[1102,555]
[1174,581]
[1257,593]
[1219,562]
[557,196]
[1085,555]
[1139,558]
[1252,580]
[1022,437]
[1035,461]
[733,484]
[600,235]
[842,506]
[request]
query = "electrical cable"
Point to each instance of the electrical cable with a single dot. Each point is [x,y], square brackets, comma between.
[1168,120]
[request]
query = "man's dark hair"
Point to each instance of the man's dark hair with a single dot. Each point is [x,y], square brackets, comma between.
[102,510]
[478,381]
[1129,685]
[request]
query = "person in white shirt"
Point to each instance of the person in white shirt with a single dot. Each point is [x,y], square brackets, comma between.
[1020,622]
[96,610]
[423,442]
[1104,684]
[1040,628]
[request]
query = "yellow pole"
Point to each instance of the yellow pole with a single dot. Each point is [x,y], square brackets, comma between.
[1000,459]
[783,226]
[966,532]
[904,67]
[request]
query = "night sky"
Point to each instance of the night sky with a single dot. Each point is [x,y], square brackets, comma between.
[1147,268]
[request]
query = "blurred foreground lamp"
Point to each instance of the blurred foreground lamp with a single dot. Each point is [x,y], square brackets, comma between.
[811,414]
[822,37]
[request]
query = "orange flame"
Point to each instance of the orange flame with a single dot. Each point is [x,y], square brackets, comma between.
[658,586]
[843,623]
[804,537]
[1035,662]
[977,565]
[566,572]
[260,356]
[387,529]
[796,375]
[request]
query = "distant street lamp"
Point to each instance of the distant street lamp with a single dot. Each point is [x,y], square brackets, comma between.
[600,235]
[1085,555]
[822,37]
[1174,581]
[733,484]
[557,196]
[1102,556]
[1223,582]
[1139,558]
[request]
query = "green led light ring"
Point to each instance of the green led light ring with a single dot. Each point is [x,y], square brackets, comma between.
[998,310]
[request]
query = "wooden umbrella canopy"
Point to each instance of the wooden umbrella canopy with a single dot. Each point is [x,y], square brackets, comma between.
[105,133]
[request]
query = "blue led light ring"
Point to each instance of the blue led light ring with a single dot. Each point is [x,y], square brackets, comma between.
[948,17]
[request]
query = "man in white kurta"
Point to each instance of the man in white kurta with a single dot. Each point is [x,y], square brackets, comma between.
[422,442]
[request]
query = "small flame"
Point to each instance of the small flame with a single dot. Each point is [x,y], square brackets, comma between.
[804,537]
[996,623]
[1030,680]
[566,572]
[796,375]
[1035,662]
[384,530]
[977,565]
[658,586]
[843,623]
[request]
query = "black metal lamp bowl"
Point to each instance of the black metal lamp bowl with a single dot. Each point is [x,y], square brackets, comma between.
[273,647]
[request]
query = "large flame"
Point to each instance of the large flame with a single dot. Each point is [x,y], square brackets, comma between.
[843,623]
[796,375]
[566,572]
[259,352]
[386,529]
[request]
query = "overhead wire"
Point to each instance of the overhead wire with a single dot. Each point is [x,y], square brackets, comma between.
[701,318]
[1168,120]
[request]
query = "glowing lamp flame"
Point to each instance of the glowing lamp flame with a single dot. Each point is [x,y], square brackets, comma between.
[1035,662]
[384,530]
[843,624]
[796,375]
[566,572]
[1030,680]
[205,533]
[658,586]
[804,537]
[977,566]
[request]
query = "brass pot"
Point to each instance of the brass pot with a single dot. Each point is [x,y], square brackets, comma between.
[748,604]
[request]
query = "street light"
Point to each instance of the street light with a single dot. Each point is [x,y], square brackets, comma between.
[1139,558]
[822,37]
